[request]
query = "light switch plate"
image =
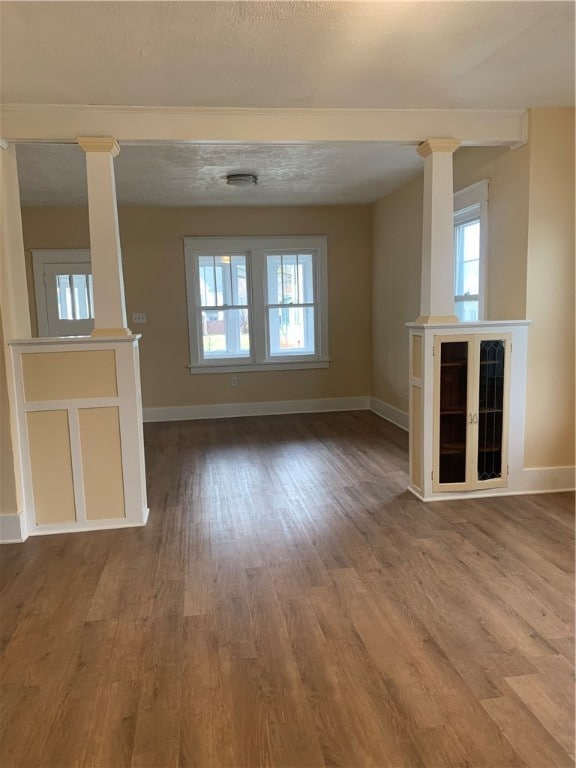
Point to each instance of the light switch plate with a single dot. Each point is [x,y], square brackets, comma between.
[139,317]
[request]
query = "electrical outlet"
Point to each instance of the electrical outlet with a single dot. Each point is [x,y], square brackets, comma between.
[233,381]
[139,317]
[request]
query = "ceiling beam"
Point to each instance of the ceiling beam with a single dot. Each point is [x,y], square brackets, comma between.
[63,123]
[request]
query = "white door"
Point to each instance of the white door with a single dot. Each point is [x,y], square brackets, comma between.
[64,293]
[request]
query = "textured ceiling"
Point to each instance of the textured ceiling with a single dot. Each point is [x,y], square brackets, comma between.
[272,54]
[194,174]
[289,54]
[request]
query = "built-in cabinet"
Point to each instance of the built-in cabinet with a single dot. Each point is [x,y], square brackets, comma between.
[467,390]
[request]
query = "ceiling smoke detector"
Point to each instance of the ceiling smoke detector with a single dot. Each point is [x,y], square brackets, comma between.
[242,179]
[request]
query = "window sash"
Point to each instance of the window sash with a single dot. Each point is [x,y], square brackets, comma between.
[204,356]
[311,342]
[471,204]
[232,334]
[461,262]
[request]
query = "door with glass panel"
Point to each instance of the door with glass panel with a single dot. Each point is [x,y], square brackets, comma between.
[470,414]
[64,292]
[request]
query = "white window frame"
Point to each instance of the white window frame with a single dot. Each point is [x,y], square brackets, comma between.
[42,256]
[256,248]
[471,204]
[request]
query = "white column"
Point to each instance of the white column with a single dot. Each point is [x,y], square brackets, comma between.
[14,324]
[13,285]
[437,293]
[109,304]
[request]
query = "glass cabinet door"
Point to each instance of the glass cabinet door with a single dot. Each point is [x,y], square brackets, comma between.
[454,372]
[490,409]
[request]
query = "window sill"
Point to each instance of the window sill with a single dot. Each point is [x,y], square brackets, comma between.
[284,365]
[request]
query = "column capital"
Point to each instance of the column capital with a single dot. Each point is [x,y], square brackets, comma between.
[99,144]
[437,145]
[3,144]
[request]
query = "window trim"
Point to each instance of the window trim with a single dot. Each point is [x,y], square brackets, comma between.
[465,202]
[255,247]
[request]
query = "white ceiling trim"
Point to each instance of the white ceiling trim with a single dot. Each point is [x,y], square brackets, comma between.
[63,123]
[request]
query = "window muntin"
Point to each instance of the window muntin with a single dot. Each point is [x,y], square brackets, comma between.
[257,302]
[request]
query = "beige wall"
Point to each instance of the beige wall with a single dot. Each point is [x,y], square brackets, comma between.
[550,290]
[51,228]
[531,269]
[153,260]
[508,174]
[396,260]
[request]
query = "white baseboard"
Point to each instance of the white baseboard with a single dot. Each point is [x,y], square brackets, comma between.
[268,408]
[89,526]
[388,412]
[13,528]
[548,479]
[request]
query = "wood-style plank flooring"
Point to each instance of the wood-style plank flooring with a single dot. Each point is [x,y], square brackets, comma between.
[290,604]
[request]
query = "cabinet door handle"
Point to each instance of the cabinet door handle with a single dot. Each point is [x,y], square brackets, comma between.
[475,418]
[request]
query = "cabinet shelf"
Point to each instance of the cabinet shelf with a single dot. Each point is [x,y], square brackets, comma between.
[455,364]
[452,411]
[490,410]
[452,449]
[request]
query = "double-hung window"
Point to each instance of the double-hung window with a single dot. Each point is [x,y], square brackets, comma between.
[470,238]
[257,303]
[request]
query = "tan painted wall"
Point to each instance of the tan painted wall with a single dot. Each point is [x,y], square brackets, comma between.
[508,174]
[550,290]
[396,260]
[8,502]
[153,260]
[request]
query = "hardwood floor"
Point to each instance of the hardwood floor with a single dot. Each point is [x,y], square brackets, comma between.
[290,604]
